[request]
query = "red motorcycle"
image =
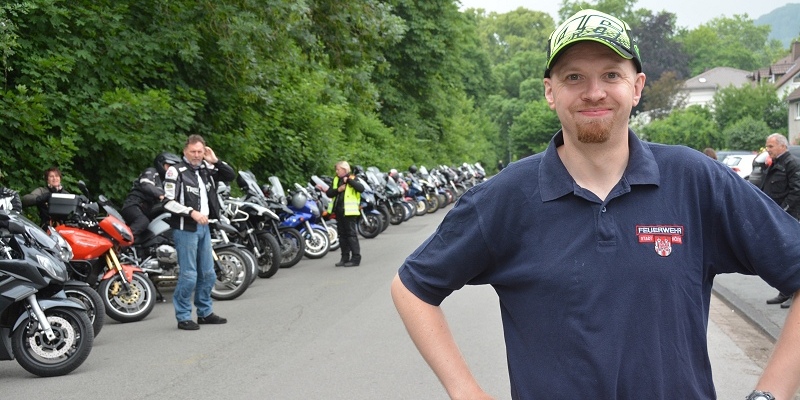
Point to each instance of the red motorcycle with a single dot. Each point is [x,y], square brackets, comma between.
[127,293]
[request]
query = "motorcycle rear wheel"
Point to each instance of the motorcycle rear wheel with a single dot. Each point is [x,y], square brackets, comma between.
[269,261]
[90,299]
[131,306]
[43,357]
[233,274]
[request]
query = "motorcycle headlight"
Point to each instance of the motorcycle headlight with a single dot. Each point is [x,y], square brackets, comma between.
[65,253]
[55,271]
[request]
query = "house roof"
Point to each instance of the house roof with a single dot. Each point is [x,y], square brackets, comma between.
[719,77]
[789,74]
[794,96]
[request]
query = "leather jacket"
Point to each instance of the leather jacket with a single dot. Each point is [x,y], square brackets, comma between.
[181,184]
[9,199]
[145,192]
[782,183]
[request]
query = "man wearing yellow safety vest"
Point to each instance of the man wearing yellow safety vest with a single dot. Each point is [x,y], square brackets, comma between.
[345,193]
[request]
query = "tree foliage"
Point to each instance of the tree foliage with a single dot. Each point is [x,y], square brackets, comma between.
[693,127]
[289,87]
[760,103]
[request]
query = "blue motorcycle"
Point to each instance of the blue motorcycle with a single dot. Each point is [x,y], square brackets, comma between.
[304,211]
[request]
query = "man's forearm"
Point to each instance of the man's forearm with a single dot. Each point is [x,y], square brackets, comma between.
[428,329]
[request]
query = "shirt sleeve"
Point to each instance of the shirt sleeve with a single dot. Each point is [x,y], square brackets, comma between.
[455,255]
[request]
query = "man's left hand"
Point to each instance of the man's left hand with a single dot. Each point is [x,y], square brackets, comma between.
[209,156]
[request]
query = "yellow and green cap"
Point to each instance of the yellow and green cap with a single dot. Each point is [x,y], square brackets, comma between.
[596,26]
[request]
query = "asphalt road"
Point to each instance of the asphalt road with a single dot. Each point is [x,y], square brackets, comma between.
[314,331]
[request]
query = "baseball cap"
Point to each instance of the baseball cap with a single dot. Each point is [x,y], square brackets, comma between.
[596,26]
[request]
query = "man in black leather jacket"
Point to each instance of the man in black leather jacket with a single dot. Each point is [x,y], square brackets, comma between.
[146,192]
[192,185]
[782,184]
[9,199]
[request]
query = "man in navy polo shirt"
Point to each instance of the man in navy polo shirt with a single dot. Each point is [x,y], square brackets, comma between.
[604,273]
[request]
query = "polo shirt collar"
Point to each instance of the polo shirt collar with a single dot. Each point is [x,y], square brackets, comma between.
[555,181]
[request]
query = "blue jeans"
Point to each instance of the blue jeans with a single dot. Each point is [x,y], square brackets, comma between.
[196,272]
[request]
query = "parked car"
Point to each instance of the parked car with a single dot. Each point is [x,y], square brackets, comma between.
[742,164]
[721,154]
[762,161]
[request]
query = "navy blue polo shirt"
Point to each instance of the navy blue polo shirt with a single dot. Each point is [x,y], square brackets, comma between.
[608,299]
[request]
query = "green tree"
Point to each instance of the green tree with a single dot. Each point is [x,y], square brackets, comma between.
[758,102]
[692,127]
[747,133]
[734,42]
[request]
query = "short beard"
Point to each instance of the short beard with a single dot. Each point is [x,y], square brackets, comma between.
[595,132]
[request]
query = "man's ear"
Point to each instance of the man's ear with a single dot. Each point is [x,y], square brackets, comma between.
[548,93]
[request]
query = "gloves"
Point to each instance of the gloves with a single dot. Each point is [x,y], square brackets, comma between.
[45,197]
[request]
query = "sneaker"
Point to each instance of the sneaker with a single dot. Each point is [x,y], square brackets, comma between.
[351,264]
[211,319]
[188,325]
[341,263]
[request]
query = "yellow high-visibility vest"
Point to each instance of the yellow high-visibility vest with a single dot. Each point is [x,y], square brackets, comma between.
[352,199]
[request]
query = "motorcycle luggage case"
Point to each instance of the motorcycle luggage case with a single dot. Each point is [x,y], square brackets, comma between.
[61,205]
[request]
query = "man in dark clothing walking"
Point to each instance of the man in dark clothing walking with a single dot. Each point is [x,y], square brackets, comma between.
[782,184]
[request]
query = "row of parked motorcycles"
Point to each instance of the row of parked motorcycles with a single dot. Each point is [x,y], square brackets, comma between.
[58,284]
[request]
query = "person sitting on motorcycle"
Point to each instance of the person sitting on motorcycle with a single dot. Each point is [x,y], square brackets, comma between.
[40,197]
[9,199]
[146,192]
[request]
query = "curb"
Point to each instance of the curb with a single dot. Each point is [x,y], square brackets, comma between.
[750,313]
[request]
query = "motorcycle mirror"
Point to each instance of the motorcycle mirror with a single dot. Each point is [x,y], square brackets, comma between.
[16,227]
[83,188]
[103,200]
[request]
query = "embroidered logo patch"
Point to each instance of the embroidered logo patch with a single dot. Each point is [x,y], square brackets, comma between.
[662,236]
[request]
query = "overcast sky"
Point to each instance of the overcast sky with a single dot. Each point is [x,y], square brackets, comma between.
[691,13]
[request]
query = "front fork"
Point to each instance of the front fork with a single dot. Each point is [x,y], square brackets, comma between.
[40,318]
[115,268]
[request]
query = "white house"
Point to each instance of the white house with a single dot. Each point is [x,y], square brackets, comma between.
[700,89]
[785,75]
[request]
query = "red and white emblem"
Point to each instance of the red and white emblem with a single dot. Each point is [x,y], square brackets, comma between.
[663,236]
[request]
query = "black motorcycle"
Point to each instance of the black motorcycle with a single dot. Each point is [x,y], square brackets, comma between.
[156,255]
[46,332]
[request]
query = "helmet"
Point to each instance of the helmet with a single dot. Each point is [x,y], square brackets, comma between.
[412,169]
[165,158]
[299,200]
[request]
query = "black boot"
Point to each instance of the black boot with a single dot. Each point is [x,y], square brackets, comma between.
[342,262]
[780,298]
[354,262]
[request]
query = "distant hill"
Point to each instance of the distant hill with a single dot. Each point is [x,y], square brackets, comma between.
[785,22]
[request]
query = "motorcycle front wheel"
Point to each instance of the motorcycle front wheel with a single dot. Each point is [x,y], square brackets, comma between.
[90,299]
[269,261]
[333,235]
[128,306]
[369,225]
[233,274]
[60,356]
[292,247]
[317,244]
